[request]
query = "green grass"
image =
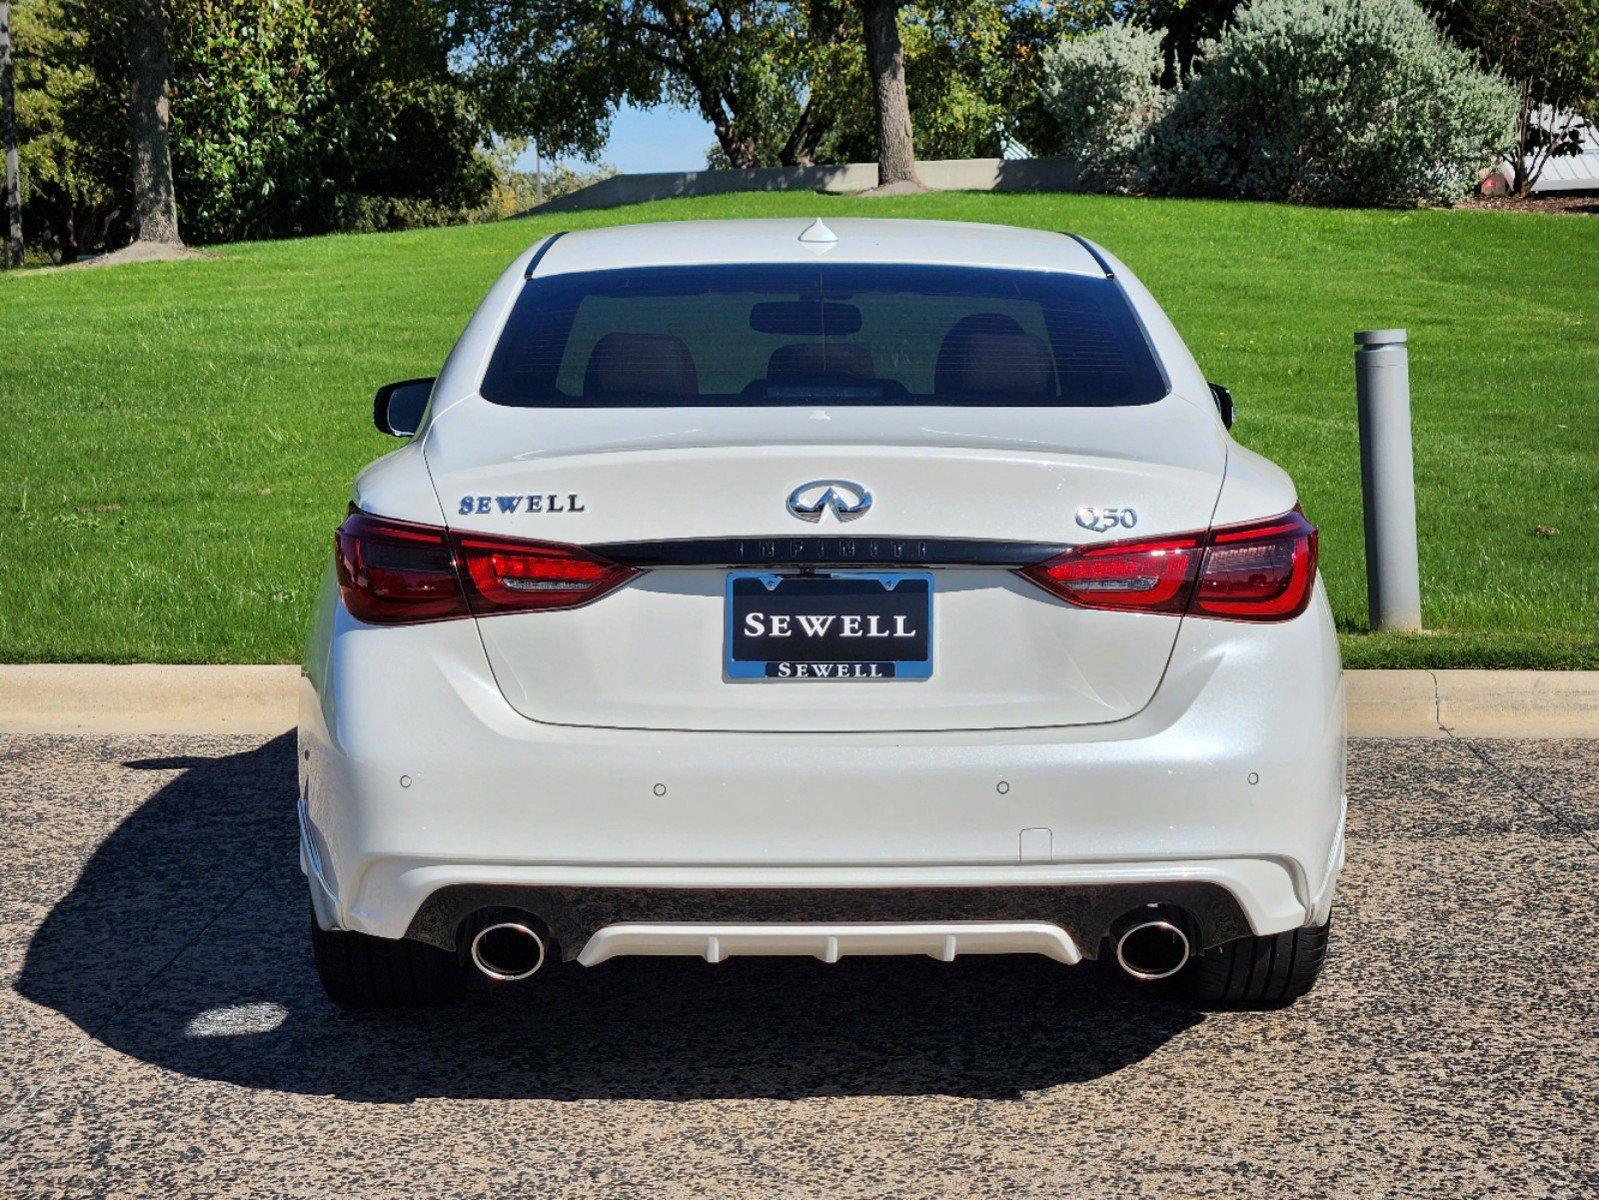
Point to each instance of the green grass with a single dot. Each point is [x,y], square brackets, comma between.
[179,439]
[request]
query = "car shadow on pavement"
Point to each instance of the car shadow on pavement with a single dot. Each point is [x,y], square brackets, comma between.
[183,944]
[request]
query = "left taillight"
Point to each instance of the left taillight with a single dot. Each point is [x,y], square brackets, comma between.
[396,572]
[1262,571]
[399,572]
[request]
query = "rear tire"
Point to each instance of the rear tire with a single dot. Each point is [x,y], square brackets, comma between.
[358,970]
[1259,972]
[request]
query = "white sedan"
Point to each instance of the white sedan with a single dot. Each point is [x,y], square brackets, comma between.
[778,587]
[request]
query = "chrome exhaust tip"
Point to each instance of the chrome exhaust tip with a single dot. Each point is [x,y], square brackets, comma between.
[1151,950]
[507,950]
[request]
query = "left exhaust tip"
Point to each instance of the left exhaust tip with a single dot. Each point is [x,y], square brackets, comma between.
[507,949]
[1153,949]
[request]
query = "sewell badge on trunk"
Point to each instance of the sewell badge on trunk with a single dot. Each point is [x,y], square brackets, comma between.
[854,625]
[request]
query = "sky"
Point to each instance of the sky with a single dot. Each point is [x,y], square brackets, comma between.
[657,139]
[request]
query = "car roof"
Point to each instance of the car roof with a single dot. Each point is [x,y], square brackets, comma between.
[835,240]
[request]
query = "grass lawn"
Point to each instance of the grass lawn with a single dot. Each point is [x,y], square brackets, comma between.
[179,438]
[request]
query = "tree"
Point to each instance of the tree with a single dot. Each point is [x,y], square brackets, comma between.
[556,70]
[973,74]
[155,202]
[306,116]
[779,81]
[72,129]
[885,56]
[8,124]
[287,117]
[1184,26]
[1549,49]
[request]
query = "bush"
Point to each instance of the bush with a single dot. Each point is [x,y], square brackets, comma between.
[1333,102]
[517,191]
[514,192]
[1103,91]
[357,212]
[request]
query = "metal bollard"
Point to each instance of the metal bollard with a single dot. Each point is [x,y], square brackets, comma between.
[1387,479]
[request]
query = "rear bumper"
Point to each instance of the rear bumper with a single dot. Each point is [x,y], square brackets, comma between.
[416,776]
[594,923]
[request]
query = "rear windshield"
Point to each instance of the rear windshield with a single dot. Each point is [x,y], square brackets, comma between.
[821,334]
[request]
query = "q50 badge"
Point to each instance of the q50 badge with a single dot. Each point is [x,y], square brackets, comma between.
[1101,520]
[541,502]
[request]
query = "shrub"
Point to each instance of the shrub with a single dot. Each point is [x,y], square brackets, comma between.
[358,212]
[514,193]
[1333,102]
[1103,91]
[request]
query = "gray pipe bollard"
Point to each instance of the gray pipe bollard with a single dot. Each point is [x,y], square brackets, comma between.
[1387,479]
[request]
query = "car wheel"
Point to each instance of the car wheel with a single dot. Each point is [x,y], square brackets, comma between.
[1259,971]
[361,971]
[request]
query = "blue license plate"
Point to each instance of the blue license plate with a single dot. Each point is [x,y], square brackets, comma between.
[848,625]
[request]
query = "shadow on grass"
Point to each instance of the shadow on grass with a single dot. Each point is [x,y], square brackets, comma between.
[183,944]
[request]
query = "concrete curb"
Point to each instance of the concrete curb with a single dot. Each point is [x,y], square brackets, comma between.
[156,698]
[146,698]
[1498,704]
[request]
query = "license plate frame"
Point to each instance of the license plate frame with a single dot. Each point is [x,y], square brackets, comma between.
[883,654]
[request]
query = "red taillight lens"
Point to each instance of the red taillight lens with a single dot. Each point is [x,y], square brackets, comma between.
[509,575]
[1154,576]
[1259,572]
[397,572]
[1263,571]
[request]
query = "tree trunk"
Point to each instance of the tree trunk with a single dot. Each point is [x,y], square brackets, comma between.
[809,130]
[740,150]
[1520,185]
[8,119]
[896,155]
[155,206]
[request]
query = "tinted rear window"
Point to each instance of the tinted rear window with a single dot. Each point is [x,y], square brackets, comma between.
[820,334]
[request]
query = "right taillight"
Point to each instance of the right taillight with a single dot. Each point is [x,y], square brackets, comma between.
[1262,571]
[512,575]
[400,572]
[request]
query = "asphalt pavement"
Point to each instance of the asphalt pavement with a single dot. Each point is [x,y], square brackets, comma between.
[162,1032]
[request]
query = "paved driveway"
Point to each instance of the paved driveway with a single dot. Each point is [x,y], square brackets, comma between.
[163,1034]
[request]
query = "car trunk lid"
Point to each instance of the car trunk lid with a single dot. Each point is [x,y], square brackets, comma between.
[962,495]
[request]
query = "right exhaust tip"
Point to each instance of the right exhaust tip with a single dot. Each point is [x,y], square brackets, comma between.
[1153,949]
[507,950]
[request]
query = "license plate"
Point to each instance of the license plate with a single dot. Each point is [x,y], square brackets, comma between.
[854,625]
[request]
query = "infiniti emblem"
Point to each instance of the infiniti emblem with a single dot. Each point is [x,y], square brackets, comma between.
[847,500]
